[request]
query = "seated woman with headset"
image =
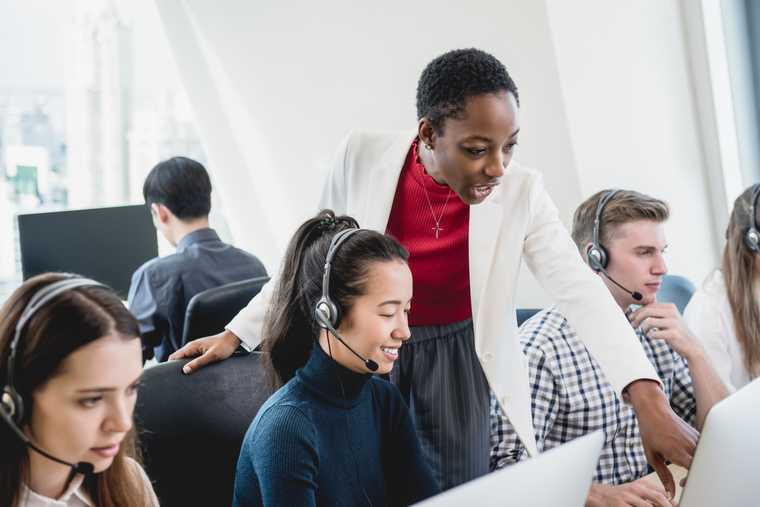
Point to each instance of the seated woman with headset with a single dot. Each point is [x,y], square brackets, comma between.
[725,312]
[334,434]
[70,361]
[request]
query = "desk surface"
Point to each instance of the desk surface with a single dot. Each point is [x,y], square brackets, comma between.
[678,474]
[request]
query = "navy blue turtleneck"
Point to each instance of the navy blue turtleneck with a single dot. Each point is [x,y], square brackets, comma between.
[314,443]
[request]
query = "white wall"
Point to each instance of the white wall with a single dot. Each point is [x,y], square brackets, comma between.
[627,88]
[604,88]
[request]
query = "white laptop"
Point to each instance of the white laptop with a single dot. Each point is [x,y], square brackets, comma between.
[558,477]
[725,470]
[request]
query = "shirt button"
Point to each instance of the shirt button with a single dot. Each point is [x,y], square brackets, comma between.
[487,356]
[504,401]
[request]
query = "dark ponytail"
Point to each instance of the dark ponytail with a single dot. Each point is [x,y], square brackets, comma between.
[290,330]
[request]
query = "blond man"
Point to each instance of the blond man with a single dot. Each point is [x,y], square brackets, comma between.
[620,234]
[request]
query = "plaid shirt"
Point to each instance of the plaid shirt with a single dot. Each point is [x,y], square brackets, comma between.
[571,397]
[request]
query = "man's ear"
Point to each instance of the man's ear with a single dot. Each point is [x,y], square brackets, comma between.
[584,253]
[160,212]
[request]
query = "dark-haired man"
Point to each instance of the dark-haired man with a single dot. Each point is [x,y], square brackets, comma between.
[178,192]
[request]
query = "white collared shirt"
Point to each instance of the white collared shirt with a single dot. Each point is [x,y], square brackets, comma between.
[76,496]
[709,317]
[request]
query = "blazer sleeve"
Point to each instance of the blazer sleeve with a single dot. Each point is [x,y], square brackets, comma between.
[582,297]
[248,323]
[334,192]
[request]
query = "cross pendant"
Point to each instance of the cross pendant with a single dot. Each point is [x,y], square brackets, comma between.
[437,228]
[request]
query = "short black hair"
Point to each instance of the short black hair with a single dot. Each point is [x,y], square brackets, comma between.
[449,80]
[182,185]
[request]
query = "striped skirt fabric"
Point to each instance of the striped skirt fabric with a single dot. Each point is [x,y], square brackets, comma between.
[443,383]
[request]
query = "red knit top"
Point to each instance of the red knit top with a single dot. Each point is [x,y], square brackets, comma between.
[439,265]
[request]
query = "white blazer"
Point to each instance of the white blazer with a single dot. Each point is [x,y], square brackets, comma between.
[517,222]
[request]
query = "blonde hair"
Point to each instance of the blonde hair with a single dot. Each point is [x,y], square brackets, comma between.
[624,207]
[738,268]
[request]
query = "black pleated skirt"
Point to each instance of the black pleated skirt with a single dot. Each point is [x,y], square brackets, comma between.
[441,379]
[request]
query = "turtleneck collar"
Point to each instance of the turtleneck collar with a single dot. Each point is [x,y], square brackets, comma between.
[323,376]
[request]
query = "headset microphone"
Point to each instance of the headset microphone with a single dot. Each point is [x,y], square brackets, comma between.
[634,294]
[326,312]
[11,402]
[328,316]
[369,363]
[79,468]
[597,255]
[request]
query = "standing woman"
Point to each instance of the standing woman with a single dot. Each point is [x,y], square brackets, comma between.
[469,216]
[70,361]
[334,434]
[725,313]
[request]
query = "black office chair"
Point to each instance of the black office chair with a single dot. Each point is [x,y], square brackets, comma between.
[677,290]
[191,427]
[209,311]
[524,314]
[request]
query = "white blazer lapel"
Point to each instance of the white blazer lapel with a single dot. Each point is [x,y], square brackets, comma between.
[485,224]
[381,185]
[491,292]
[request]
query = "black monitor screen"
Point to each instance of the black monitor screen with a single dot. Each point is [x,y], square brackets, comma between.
[106,244]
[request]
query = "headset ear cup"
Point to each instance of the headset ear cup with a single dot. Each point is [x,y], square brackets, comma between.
[597,257]
[752,240]
[12,404]
[322,314]
[325,313]
[604,257]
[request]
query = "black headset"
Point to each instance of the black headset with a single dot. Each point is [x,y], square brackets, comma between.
[327,315]
[11,401]
[598,258]
[326,312]
[752,235]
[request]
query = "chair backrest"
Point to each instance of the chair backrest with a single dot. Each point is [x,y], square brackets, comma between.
[674,289]
[677,290]
[209,311]
[524,314]
[191,426]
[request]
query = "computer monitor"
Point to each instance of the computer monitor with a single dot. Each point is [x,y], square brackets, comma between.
[558,477]
[106,244]
[726,467]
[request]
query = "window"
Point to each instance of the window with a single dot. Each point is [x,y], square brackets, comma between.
[89,102]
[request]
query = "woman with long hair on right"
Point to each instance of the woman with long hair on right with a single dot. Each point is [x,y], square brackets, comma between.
[332,433]
[725,312]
